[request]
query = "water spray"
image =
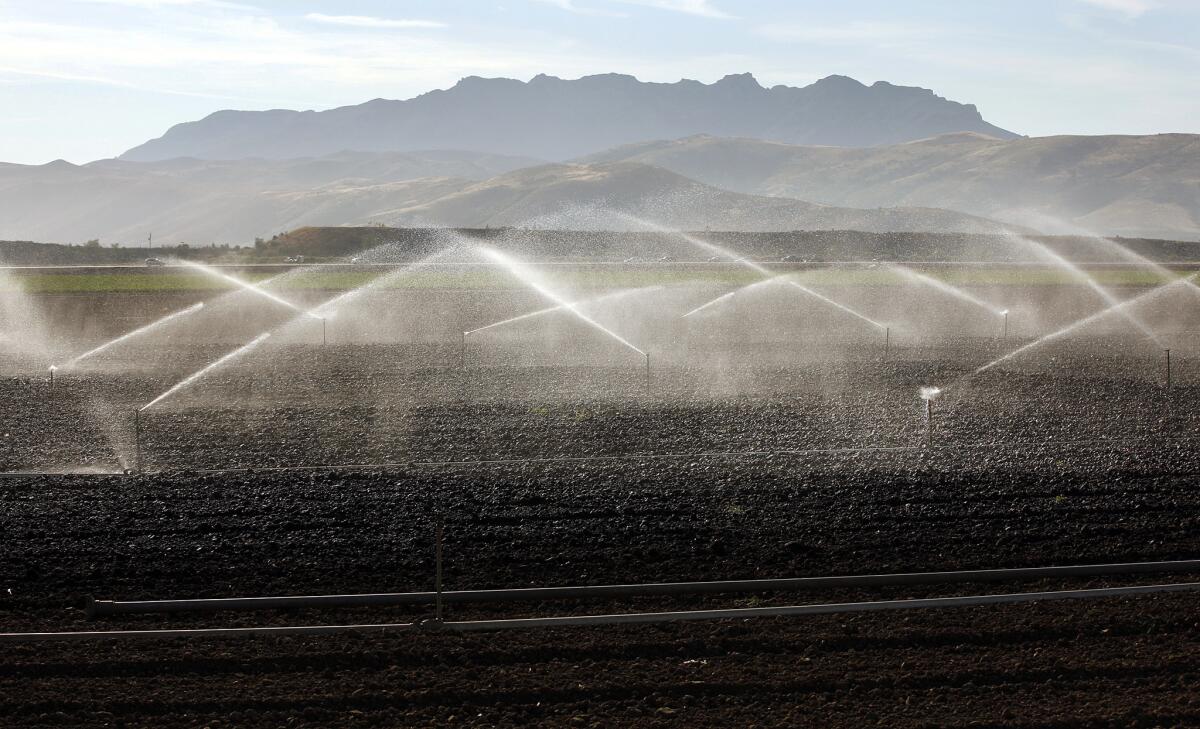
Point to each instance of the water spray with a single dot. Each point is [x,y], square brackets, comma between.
[248,286]
[942,286]
[835,304]
[757,267]
[583,302]
[786,279]
[330,307]
[722,297]
[136,332]
[1118,308]
[1091,282]
[530,279]
[202,372]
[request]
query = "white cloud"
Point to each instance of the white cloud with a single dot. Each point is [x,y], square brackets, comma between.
[571,7]
[1129,8]
[364,21]
[702,8]
[152,4]
[117,83]
[854,32]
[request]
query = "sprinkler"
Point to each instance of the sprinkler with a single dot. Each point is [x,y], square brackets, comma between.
[1168,354]
[462,352]
[51,384]
[927,394]
[1005,315]
[324,341]
[647,373]
[887,342]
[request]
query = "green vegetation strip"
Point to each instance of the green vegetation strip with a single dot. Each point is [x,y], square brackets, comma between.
[567,277]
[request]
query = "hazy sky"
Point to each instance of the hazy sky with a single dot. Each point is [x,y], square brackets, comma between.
[87,79]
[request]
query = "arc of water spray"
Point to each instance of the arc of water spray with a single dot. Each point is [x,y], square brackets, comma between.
[328,309]
[1160,270]
[786,279]
[757,267]
[1135,301]
[710,247]
[835,304]
[208,368]
[731,294]
[530,279]
[1118,308]
[135,333]
[551,309]
[945,288]
[1112,301]
[247,286]
[149,327]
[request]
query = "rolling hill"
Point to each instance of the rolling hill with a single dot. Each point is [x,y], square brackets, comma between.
[203,202]
[223,201]
[1138,186]
[625,195]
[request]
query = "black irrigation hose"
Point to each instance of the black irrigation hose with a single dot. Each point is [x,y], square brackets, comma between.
[109,607]
[616,619]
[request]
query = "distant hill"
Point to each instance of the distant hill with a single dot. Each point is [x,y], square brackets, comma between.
[223,201]
[555,119]
[235,202]
[623,196]
[1141,186]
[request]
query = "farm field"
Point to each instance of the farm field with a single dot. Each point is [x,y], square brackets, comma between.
[768,434]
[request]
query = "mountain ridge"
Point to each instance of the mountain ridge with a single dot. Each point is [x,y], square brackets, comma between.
[556,119]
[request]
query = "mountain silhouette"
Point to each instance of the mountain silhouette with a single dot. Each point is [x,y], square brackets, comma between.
[555,119]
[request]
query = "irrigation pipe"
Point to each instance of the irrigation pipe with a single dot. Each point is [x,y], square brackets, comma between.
[614,619]
[110,607]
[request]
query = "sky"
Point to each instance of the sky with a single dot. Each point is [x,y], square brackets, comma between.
[87,79]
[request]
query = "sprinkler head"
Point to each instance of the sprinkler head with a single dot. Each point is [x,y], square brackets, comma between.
[1004,312]
[929,393]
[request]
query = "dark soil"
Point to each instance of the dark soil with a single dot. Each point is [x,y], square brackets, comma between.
[1126,661]
[813,469]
